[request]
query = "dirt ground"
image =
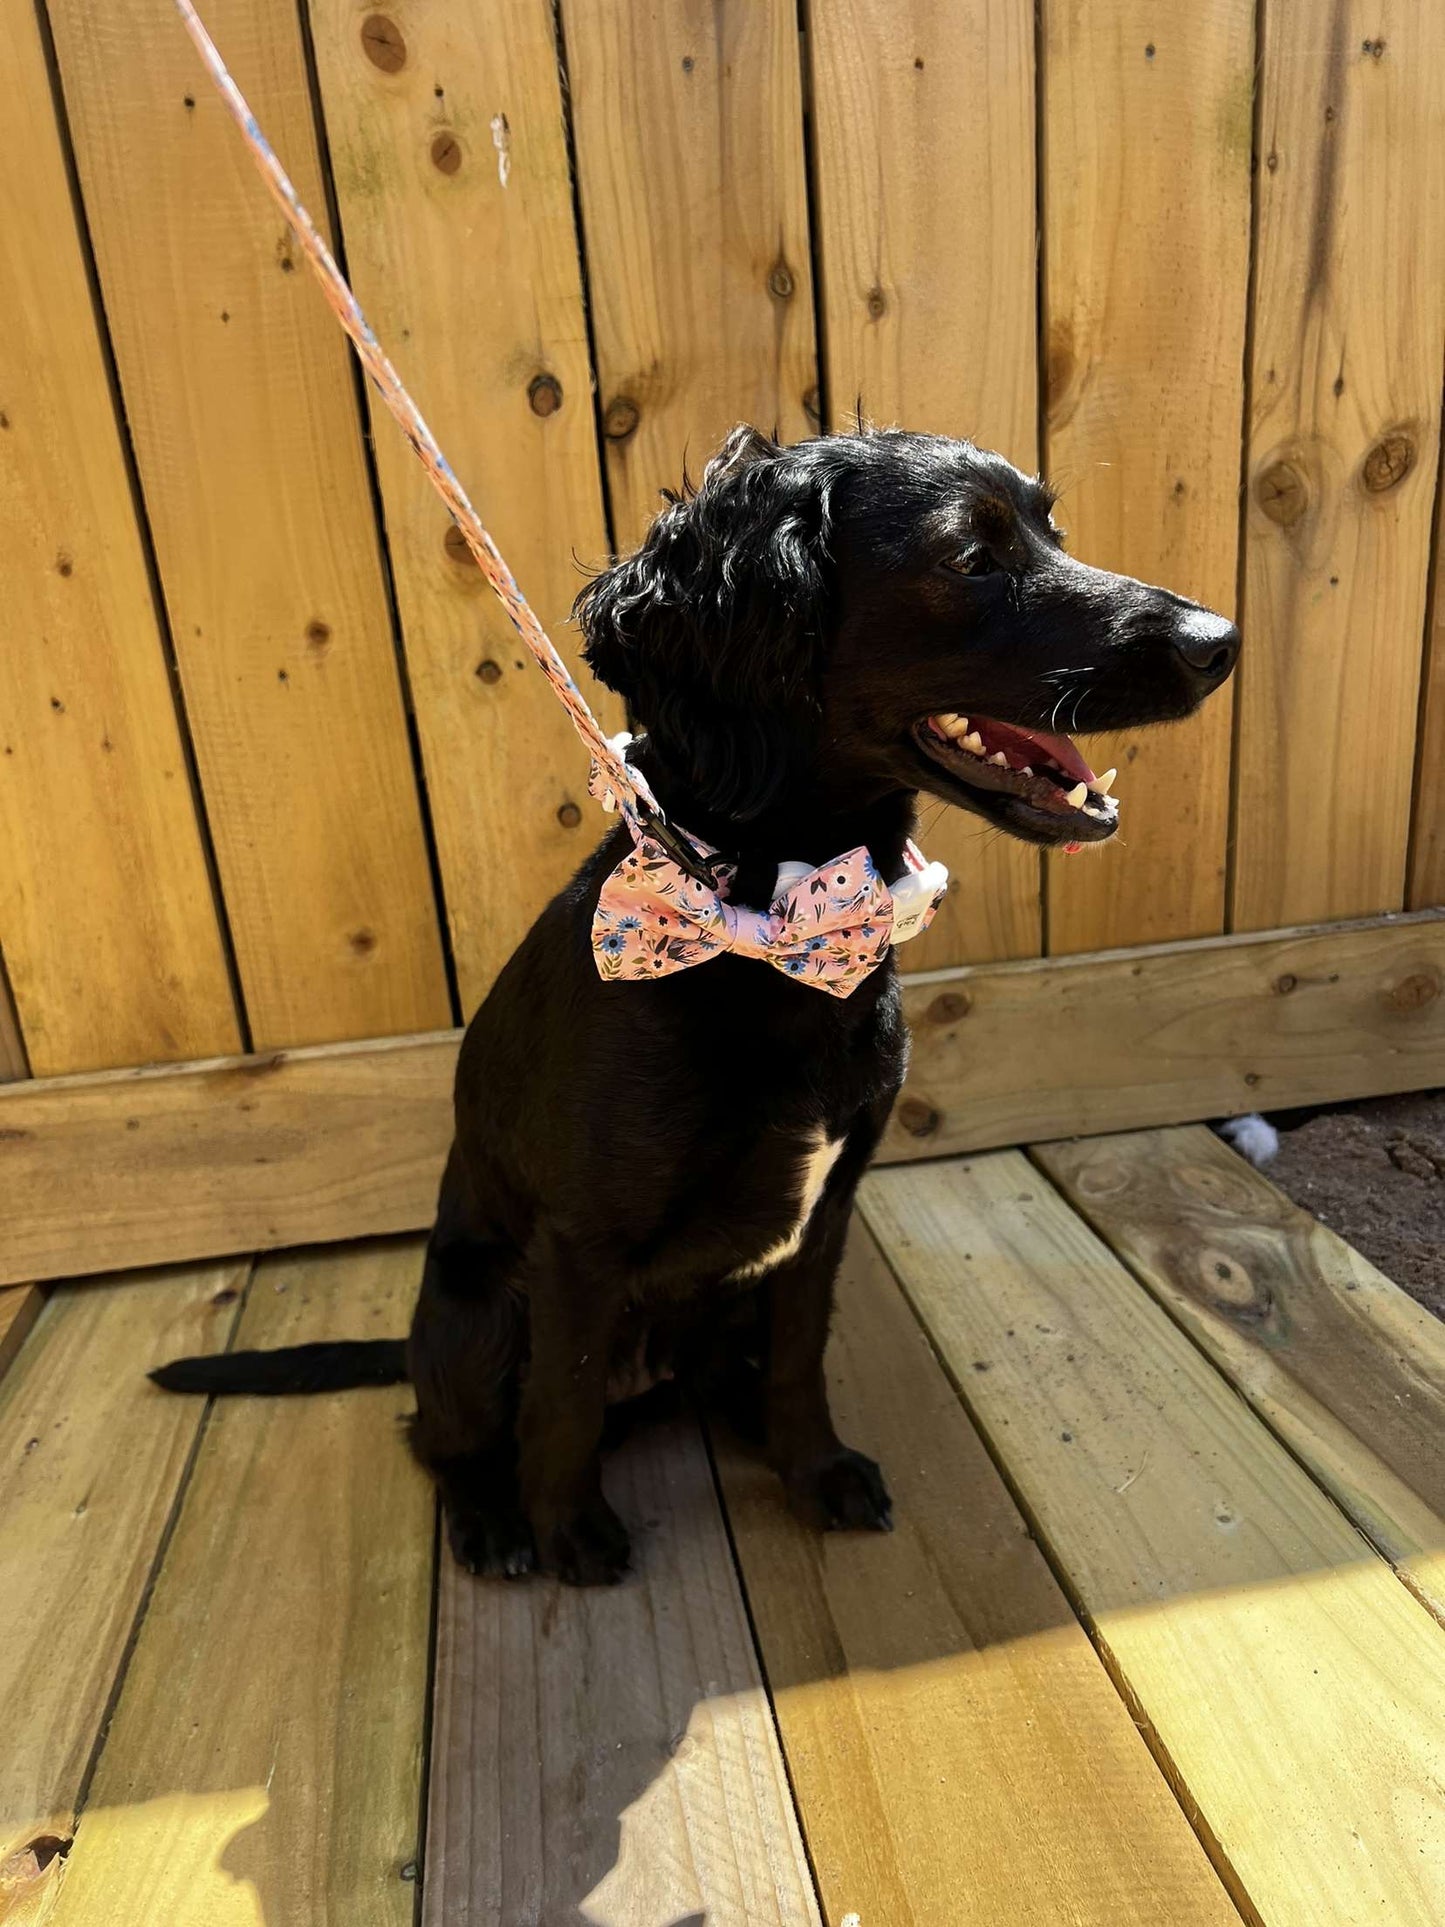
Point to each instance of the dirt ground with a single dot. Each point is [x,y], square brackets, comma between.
[1374,1172]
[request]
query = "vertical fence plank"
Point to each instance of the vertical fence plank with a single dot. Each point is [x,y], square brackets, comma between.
[923,121]
[1147,142]
[1427,848]
[108,929]
[689,138]
[1349,313]
[242,405]
[451,176]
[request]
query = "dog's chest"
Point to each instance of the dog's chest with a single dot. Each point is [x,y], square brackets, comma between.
[804,1185]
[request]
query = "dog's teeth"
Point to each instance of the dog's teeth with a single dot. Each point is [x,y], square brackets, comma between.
[1027,770]
[1103,784]
[974,742]
[1075,797]
[946,719]
[958,728]
[999,758]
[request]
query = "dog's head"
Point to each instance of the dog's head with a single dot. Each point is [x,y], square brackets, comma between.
[867,613]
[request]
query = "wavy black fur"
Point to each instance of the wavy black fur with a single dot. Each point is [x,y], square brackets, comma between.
[621,1208]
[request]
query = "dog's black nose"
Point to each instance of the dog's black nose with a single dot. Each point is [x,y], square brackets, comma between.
[1208,643]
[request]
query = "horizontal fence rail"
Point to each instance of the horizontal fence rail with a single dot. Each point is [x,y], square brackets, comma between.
[144,1167]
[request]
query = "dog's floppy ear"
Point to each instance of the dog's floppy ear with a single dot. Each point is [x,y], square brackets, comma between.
[714,630]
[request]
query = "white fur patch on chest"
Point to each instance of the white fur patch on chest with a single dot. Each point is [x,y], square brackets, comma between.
[809,1179]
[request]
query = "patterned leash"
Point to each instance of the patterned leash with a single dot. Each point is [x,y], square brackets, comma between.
[664,907]
[626,784]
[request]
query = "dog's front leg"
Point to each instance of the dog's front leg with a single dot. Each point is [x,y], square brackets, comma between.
[828,1483]
[573,1320]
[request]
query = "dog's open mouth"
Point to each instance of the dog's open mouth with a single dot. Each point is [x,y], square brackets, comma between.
[1029,782]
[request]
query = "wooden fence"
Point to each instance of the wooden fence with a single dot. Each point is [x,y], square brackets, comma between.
[272,771]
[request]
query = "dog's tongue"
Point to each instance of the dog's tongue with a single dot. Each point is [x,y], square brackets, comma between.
[1057,750]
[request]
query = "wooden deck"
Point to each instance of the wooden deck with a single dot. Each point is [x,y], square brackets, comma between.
[1157,1639]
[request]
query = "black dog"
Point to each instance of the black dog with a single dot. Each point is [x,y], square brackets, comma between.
[650,1182]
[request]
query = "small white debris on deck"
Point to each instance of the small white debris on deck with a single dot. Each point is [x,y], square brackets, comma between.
[1254,1137]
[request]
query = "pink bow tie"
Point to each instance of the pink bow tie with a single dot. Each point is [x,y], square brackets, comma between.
[828,927]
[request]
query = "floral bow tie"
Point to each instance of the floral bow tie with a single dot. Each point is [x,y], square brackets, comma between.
[828,927]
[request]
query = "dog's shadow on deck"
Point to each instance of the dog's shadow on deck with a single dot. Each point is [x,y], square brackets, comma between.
[615,1757]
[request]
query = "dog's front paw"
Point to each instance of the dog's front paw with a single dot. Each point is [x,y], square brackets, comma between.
[496,1544]
[841,1493]
[589,1549]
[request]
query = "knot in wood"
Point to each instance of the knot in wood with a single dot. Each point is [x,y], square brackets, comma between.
[569,816]
[1227,1282]
[917,1118]
[949,1007]
[455,544]
[446,152]
[780,281]
[620,421]
[1414,992]
[1388,463]
[384,43]
[1282,493]
[544,392]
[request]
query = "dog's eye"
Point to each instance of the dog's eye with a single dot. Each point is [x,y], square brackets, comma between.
[971,562]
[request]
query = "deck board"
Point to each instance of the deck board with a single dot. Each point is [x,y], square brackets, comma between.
[1342,1364]
[958,1752]
[263,1767]
[1295,1687]
[612,1751]
[91,1460]
[937,1726]
[19,1309]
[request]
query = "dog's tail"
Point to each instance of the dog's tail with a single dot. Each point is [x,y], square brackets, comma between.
[330,1367]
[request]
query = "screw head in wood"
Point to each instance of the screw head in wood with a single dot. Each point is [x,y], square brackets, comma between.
[569,816]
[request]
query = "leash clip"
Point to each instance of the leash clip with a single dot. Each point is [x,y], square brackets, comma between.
[677,844]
